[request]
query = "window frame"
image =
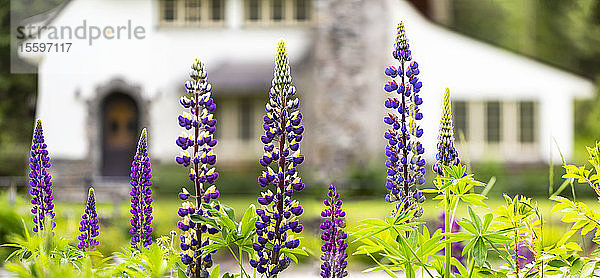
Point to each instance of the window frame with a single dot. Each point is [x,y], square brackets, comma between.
[265,17]
[532,125]
[499,117]
[181,16]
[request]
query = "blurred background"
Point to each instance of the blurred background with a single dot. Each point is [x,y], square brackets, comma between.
[524,75]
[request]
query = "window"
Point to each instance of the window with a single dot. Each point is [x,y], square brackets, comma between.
[460,117]
[276,10]
[168,10]
[265,12]
[192,12]
[527,118]
[216,10]
[253,10]
[301,12]
[493,122]
[246,123]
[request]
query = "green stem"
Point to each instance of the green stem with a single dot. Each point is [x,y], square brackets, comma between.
[447,224]
[413,252]
[516,254]
[471,267]
[239,261]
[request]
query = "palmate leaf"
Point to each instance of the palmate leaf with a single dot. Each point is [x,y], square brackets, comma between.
[479,252]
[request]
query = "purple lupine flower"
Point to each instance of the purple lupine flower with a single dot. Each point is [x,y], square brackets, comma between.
[41,186]
[447,154]
[456,248]
[141,196]
[405,163]
[334,247]
[279,212]
[201,124]
[89,225]
[526,253]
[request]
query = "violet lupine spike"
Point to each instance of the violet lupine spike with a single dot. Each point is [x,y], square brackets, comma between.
[202,125]
[405,163]
[279,212]
[89,225]
[141,196]
[40,182]
[334,247]
[447,154]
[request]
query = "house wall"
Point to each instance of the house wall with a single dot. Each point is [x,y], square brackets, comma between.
[158,65]
[340,61]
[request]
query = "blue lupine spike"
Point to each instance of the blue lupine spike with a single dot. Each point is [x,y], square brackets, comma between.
[333,250]
[447,154]
[404,132]
[89,225]
[141,196]
[40,182]
[200,158]
[278,212]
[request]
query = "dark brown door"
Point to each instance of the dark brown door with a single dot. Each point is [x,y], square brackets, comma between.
[119,132]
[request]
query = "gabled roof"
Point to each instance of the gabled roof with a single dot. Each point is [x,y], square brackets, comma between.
[468,66]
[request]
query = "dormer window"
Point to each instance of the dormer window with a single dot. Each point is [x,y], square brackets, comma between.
[192,12]
[277,12]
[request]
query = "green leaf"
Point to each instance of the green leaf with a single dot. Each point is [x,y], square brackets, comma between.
[588,269]
[557,263]
[197,218]
[215,272]
[229,211]
[247,222]
[479,252]
[474,199]
[181,274]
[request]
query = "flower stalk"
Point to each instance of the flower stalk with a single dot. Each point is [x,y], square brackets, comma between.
[446,157]
[40,182]
[199,121]
[89,225]
[405,163]
[334,247]
[141,196]
[279,212]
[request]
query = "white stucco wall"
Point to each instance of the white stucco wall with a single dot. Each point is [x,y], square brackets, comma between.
[159,64]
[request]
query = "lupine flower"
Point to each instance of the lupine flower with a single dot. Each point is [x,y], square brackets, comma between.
[278,212]
[89,225]
[405,163]
[334,247]
[447,154]
[141,196]
[41,186]
[456,248]
[526,253]
[199,120]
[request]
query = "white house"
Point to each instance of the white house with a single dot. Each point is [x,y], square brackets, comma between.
[95,98]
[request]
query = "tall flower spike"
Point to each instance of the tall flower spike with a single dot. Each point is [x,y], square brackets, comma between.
[141,196]
[334,247]
[405,162]
[89,224]
[200,122]
[41,186]
[279,212]
[447,154]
